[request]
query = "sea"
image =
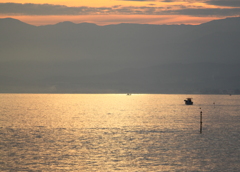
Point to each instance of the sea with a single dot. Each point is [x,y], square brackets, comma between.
[119,132]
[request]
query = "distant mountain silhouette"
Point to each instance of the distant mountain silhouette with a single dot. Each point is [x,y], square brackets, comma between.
[68,57]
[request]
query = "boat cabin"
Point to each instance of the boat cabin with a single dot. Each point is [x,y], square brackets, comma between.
[188,101]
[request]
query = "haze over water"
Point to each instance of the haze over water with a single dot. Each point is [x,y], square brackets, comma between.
[116,132]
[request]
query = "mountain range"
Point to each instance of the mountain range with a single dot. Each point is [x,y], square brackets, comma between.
[136,58]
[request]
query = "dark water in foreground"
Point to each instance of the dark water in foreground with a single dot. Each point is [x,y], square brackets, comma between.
[71,132]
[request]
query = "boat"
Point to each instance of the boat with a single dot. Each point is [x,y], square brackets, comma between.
[188,101]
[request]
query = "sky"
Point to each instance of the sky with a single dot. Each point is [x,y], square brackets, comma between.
[105,12]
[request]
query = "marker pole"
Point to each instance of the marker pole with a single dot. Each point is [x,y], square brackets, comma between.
[201,122]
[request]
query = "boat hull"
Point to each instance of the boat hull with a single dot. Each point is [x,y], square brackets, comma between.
[189,103]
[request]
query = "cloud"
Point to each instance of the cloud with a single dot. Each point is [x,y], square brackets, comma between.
[41,9]
[168,1]
[49,9]
[208,12]
[229,3]
[139,0]
[190,1]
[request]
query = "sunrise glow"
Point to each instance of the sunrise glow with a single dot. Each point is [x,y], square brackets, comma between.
[105,12]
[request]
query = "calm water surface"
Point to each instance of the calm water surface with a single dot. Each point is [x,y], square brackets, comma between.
[111,132]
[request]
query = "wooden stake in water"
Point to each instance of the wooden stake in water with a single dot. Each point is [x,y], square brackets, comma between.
[201,122]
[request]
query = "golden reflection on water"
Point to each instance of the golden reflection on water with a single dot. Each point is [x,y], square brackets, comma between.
[91,111]
[116,132]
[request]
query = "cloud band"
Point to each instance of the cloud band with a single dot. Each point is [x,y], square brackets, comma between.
[48,9]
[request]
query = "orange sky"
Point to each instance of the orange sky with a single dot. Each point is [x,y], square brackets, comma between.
[117,11]
[114,19]
[93,3]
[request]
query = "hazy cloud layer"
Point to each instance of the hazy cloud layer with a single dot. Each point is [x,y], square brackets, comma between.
[208,12]
[44,9]
[139,0]
[49,9]
[230,3]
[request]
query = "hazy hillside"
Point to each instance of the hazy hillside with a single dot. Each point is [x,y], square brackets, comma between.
[69,57]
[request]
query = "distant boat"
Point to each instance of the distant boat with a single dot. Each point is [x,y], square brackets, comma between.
[188,101]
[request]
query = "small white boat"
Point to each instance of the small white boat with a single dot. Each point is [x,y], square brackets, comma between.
[188,101]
